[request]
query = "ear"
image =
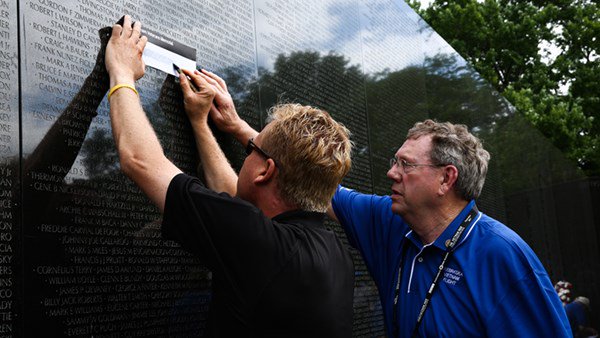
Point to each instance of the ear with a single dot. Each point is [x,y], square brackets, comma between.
[266,173]
[447,179]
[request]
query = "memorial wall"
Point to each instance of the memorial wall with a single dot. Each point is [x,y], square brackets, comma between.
[80,246]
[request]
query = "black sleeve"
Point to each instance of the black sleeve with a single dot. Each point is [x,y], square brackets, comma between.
[230,235]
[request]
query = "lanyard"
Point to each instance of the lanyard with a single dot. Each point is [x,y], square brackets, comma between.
[450,245]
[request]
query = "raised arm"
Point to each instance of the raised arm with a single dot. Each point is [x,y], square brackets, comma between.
[223,111]
[218,172]
[54,148]
[140,153]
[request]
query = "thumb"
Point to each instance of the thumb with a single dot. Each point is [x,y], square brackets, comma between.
[214,111]
[185,86]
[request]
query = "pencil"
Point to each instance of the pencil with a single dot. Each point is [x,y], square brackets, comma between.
[178,70]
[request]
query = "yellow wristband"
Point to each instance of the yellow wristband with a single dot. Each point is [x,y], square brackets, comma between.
[119,86]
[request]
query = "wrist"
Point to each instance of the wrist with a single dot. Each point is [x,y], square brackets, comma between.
[243,132]
[237,129]
[199,124]
[121,79]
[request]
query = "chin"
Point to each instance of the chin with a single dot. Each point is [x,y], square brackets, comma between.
[398,209]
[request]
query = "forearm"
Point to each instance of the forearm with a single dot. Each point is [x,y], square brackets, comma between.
[218,173]
[140,153]
[243,132]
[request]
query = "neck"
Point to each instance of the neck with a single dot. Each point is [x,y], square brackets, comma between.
[275,209]
[272,205]
[431,226]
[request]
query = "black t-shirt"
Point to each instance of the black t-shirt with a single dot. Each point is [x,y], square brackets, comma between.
[283,277]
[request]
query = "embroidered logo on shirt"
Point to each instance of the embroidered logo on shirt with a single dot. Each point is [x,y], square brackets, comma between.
[452,276]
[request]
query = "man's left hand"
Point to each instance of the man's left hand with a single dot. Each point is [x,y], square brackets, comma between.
[124,53]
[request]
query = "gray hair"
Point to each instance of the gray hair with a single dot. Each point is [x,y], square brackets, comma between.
[454,144]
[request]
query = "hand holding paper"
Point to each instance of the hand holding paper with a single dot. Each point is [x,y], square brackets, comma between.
[123,53]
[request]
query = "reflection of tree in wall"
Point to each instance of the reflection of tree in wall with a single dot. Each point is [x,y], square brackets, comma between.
[100,154]
[329,82]
[301,76]
[107,199]
[522,157]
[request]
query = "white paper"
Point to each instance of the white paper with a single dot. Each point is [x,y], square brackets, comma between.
[162,59]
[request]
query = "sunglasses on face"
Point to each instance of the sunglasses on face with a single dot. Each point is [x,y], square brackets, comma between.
[253,147]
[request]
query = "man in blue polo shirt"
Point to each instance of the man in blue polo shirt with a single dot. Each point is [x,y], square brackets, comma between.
[490,283]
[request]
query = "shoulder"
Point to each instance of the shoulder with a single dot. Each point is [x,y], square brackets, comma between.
[186,187]
[503,249]
[184,181]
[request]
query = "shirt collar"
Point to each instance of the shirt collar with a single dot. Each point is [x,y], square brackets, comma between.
[440,242]
[307,218]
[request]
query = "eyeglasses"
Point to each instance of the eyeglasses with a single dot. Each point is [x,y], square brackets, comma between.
[252,146]
[406,167]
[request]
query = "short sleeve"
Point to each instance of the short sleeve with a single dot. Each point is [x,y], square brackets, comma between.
[370,225]
[229,234]
[530,308]
[519,299]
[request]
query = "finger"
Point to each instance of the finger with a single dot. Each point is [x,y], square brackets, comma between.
[214,112]
[116,30]
[210,80]
[127,26]
[213,109]
[195,78]
[137,30]
[216,78]
[185,86]
[142,43]
[204,84]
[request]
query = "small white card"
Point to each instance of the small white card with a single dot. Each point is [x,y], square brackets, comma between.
[162,52]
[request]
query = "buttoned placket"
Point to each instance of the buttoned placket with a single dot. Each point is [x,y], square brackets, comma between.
[419,256]
[412,267]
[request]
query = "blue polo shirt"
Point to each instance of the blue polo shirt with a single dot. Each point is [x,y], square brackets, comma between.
[493,285]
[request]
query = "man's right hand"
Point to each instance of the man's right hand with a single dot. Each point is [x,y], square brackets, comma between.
[197,104]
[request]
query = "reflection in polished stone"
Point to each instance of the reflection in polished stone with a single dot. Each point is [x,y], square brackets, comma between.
[87,250]
[10,227]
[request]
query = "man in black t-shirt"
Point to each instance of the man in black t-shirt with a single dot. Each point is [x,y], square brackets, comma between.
[277,271]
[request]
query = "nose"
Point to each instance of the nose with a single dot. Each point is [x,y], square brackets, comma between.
[393,174]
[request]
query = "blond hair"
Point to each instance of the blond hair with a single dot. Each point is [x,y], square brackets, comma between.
[454,144]
[312,152]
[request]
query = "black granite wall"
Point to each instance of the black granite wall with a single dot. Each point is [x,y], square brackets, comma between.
[80,246]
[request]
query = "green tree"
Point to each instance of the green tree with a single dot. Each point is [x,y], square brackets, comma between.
[504,40]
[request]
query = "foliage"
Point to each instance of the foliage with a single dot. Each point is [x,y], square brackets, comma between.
[506,42]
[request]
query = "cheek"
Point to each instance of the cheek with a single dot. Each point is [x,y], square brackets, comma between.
[241,179]
[416,187]
[242,189]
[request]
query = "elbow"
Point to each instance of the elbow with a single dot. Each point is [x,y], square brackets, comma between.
[132,165]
